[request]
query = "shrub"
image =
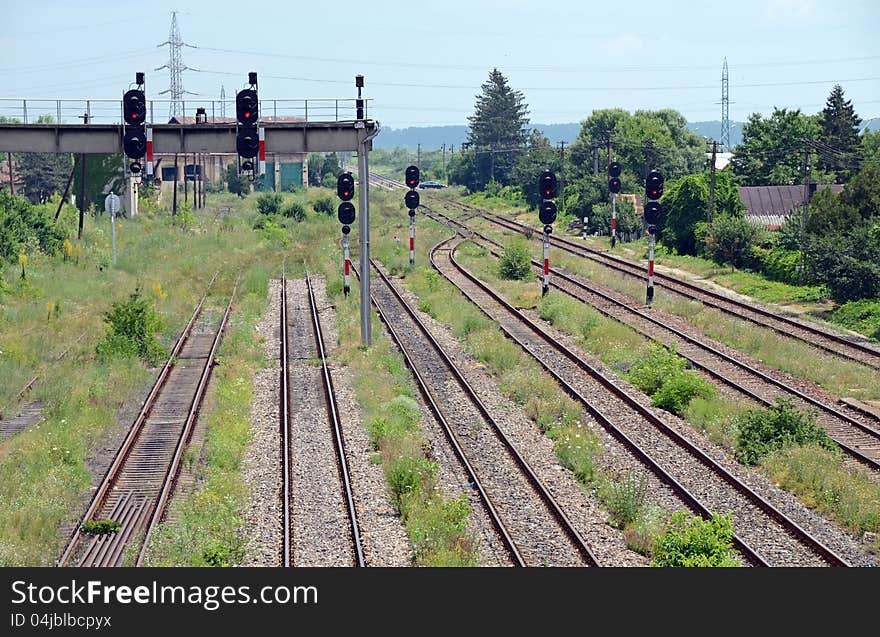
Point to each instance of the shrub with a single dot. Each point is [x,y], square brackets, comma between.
[295,211]
[779,264]
[760,431]
[132,326]
[23,224]
[730,239]
[691,541]
[677,391]
[100,527]
[515,264]
[323,205]
[438,531]
[650,371]
[577,450]
[625,499]
[269,203]
[398,416]
[861,316]
[409,476]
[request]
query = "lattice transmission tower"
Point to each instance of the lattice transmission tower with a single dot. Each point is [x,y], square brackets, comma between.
[222,101]
[176,67]
[725,108]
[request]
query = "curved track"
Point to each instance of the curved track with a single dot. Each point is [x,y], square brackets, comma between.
[631,423]
[848,347]
[856,438]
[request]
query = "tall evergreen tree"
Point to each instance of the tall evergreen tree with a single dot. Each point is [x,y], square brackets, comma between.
[497,128]
[840,129]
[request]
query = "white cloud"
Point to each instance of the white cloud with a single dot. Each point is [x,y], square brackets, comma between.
[622,44]
[788,10]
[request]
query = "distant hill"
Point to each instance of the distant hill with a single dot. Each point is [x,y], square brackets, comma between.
[435,136]
[871,124]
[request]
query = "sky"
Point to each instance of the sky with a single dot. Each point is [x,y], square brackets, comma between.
[424,62]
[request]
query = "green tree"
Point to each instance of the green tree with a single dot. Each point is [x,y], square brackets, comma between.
[871,145]
[772,150]
[848,262]
[685,204]
[840,129]
[42,173]
[497,129]
[331,166]
[676,150]
[538,157]
[23,224]
[235,183]
[730,239]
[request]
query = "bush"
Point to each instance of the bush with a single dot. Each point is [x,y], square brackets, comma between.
[690,541]
[649,372]
[778,264]
[100,527]
[399,416]
[269,203]
[295,211]
[577,450]
[761,431]
[131,330]
[677,391]
[662,375]
[625,499]
[861,316]
[323,205]
[515,264]
[438,531]
[408,477]
[730,239]
[23,225]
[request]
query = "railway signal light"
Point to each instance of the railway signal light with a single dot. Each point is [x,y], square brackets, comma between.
[134,142]
[654,186]
[346,213]
[614,177]
[247,143]
[247,108]
[547,212]
[412,200]
[653,212]
[134,107]
[345,186]
[547,185]
[412,176]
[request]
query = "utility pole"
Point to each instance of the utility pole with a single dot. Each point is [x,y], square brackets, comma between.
[808,153]
[648,150]
[608,144]
[82,185]
[185,185]
[444,163]
[419,155]
[11,180]
[562,173]
[176,177]
[596,160]
[712,182]
[492,162]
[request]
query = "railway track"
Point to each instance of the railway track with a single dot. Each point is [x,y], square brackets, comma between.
[312,444]
[699,480]
[857,435]
[529,521]
[816,336]
[135,490]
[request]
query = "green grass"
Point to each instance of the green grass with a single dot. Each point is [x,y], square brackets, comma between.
[821,479]
[205,522]
[44,475]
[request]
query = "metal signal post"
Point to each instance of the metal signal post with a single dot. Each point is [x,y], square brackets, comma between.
[653,212]
[613,188]
[547,186]
[346,215]
[412,202]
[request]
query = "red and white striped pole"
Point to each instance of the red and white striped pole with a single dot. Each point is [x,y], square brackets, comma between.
[346,280]
[412,237]
[613,219]
[546,283]
[650,294]
[149,151]
[262,137]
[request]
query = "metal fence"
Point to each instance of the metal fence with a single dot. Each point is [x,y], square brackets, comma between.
[109,111]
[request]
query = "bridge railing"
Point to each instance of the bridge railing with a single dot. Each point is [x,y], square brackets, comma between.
[109,111]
